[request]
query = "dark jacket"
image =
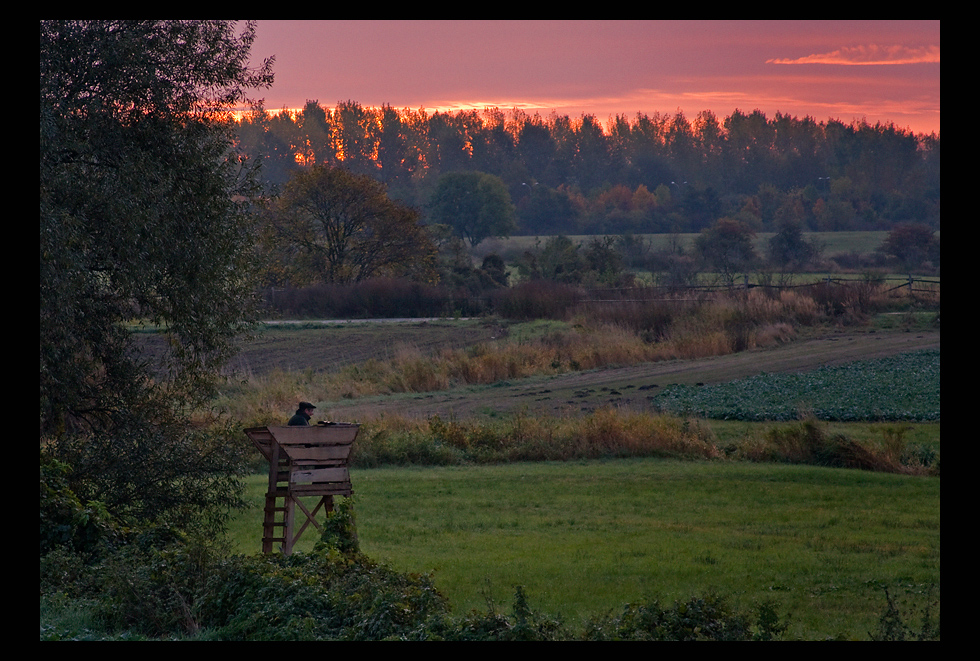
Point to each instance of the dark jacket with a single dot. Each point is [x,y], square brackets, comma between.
[299,420]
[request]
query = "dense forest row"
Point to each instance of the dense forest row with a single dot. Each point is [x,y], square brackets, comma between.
[646,174]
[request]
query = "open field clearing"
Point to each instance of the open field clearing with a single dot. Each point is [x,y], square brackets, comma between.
[894,388]
[585,538]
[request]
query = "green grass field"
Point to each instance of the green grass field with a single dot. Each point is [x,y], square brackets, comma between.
[585,538]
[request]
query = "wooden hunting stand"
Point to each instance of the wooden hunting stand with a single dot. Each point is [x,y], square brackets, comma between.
[303,461]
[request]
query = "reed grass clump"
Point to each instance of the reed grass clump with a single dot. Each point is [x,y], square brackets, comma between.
[606,433]
[609,433]
[808,442]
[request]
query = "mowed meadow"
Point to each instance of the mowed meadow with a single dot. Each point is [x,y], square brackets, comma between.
[584,538]
[814,491]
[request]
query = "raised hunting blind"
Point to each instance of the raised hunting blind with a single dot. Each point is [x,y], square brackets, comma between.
[303,462]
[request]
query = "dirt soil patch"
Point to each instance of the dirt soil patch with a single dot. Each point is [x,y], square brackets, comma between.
[328,346]
[631,387]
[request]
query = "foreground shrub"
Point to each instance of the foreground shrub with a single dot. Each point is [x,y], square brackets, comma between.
[901,622]
[324,595]
[699,618]
[67,522]
[522,624]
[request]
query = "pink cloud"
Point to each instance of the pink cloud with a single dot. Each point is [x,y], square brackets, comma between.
[868,55]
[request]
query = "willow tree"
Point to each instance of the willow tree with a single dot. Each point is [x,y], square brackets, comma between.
[143,217]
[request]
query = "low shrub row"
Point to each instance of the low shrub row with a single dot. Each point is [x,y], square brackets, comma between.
[638,307]
[605,433]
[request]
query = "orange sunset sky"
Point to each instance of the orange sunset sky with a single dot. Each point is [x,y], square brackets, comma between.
[885,71]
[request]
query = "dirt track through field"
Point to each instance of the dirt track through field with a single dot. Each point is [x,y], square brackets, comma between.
[630,387]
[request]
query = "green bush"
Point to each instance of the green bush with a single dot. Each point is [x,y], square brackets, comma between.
[699,618]
[324,595]
[67,522]
[340,530]
[523,624]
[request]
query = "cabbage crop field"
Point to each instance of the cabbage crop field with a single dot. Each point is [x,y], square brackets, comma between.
[898,388]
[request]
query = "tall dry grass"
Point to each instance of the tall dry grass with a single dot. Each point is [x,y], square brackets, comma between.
[604,433]
[615,433]
[809,442]
[599,334]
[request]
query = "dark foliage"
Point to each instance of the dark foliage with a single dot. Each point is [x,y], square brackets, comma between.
[699,618]
[143,215]
[375,298]
[649,174]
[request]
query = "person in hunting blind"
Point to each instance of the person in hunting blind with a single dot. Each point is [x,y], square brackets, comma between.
[302,416]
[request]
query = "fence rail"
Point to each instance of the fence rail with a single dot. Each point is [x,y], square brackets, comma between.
[907,283]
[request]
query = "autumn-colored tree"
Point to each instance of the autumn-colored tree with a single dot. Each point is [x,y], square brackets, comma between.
[912,244]
[342,227]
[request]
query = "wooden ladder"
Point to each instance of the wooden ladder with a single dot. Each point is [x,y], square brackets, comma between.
[278,516]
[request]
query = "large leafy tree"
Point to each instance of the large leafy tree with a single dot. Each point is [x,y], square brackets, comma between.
[143,217]
[788,248]
[333,225]
[912,244]
[727,246]
[476,205]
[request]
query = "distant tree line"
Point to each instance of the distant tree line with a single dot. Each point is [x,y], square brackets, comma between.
[647,174]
